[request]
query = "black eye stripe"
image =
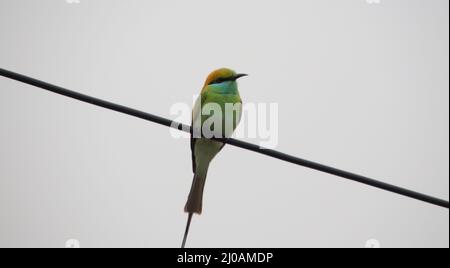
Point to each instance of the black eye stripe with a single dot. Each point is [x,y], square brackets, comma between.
[221,80]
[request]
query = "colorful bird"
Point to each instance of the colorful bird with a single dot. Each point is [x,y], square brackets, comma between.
[216,113]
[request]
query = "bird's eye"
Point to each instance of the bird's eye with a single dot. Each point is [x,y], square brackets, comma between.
[219,80]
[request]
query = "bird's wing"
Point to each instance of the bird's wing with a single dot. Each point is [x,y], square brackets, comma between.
[237,121]
[196,111]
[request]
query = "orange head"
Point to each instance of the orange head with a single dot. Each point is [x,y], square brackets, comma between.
[222,75]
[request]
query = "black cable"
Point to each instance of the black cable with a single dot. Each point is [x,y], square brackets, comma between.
[237,143]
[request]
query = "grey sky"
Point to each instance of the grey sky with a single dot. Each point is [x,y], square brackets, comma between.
[363,87]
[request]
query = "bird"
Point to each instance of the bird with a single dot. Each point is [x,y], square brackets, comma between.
[216,113]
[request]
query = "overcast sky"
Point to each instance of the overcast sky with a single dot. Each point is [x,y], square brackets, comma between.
[362,87]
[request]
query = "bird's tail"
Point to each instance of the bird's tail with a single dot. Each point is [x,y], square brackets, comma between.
[194,202]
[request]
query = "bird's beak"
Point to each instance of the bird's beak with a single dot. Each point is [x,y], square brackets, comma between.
[237,76]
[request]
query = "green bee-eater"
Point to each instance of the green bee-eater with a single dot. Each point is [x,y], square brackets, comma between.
[217,113]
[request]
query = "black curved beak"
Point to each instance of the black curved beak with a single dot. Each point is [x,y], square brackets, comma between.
[237,76]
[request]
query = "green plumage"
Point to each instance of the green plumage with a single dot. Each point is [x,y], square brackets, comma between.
[219,90]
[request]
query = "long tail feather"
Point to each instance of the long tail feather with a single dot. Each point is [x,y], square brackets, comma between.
[186,232]
[195,199]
